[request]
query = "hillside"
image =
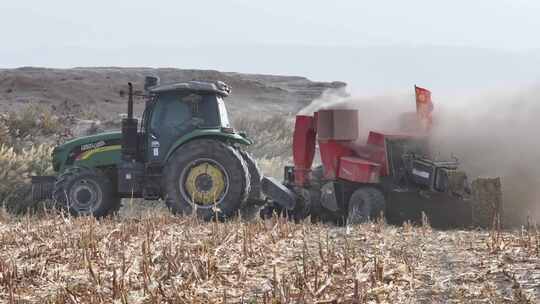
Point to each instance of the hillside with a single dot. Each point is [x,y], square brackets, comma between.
[94,92]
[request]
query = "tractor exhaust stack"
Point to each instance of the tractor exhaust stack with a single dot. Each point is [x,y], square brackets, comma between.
[130,101]
[129,131]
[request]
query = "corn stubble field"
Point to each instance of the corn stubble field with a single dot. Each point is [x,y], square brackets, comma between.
[154,257]
[146,255]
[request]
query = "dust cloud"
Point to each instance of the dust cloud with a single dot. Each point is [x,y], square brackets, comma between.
[492,134]
[380,113]
[495,134]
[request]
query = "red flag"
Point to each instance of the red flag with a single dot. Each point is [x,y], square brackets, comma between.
[424,107]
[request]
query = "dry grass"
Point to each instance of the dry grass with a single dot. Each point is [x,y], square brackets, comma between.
[33,125]
[33,119]
[273,167]
[272,135]
[153,257]
[5,136]
[272,138]
[16,167]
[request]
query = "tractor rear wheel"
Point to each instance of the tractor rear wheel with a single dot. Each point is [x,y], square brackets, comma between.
[365,204]
[250,209]
[206,177]
[255,191]
[85,191]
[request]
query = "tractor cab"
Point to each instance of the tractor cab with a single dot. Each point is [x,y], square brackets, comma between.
[178,110]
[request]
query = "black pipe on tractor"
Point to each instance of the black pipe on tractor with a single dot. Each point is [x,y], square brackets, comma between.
[130,101]
[129,131]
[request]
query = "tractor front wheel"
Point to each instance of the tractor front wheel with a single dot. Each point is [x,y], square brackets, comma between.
[85,191]
[365,204]
[206,177]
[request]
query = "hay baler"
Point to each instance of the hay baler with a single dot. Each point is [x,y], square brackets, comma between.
[391,174]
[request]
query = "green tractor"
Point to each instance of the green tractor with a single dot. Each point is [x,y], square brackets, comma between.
[184,151]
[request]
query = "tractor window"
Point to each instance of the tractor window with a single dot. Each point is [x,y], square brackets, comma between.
[224,117]
[176,114]
[207,112]
[170,114]
[184,112]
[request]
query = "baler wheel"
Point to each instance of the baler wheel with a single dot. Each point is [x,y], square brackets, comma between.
[365,204]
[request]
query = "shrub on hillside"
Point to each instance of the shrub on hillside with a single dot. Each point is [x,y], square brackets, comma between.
[272,135]
[33,120]
[272,138]
[5,137]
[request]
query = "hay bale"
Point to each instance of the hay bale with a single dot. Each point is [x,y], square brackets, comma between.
[487,201]
[456,182]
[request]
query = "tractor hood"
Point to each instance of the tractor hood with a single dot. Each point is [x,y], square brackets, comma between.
[104,149]
[83,148]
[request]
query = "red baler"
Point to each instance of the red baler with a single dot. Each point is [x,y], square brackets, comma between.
[390,174]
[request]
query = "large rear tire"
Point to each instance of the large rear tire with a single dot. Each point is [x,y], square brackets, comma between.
[255,177]
[365,204]
[85,191]
[206,177]
[251,208]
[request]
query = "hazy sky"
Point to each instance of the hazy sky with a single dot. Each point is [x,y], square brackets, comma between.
[104,23]
[62,33]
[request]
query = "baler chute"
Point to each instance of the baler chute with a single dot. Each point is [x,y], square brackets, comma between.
[390,173]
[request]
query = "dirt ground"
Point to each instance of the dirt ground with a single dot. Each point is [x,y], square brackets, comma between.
[153,257]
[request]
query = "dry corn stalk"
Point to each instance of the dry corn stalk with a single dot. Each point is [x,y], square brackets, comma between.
[5,137]
[15,171]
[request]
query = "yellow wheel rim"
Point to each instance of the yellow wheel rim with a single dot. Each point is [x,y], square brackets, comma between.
[205,183]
